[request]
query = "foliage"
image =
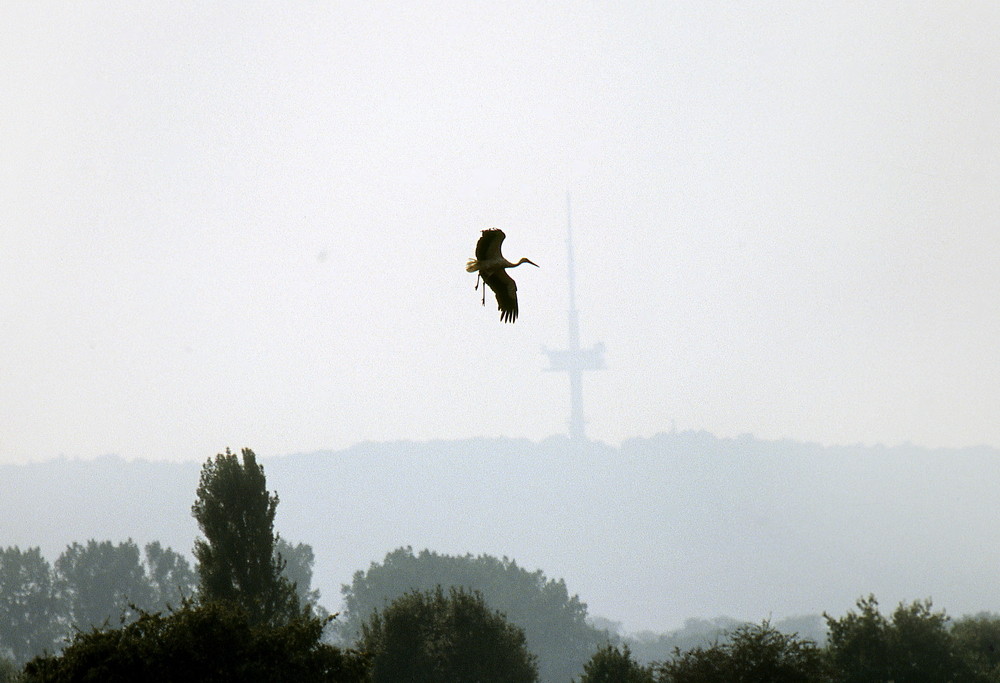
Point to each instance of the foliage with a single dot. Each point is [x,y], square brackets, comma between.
[236,559]
[554,623]
[92,584]
[977,640]
[298,563]
[648,646]
[9,673]
[428,636]
[30,608]
[914,646]
[216,641]
[170,577]
[753,654]
[99,580]
[656,647]
[859,643]
[611,665]
[922,646]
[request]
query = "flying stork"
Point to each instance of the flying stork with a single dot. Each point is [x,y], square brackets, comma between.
[491,267]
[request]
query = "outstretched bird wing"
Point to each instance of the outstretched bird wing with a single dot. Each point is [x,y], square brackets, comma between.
[488,246]
[504,287]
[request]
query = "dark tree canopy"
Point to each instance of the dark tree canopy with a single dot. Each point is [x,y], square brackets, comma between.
[9,672]
[554,622]
[611,665]
[427,637]
[977,639]
[915,645]
[754,653]
[237,562]
[215,642]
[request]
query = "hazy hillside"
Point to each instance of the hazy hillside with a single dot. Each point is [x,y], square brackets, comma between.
[674,526]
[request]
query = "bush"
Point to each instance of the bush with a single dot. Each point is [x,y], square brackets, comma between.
[554,621]
[914,645]
[211,642]
[430,636]
[611,665]
[753,654]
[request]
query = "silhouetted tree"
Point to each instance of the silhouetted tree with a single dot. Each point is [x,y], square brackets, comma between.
[298,561]
[170,577]
[977,640]
[554,623]
[236,559]
[752,654]
[9,671]
[859,643]
[99,581]
[914,646]
[611,665]
[216,642]
[30,608]
[430,637]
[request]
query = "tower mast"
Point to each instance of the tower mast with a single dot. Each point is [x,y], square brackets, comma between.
[574,360]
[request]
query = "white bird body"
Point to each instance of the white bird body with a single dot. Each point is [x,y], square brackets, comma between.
[492,267]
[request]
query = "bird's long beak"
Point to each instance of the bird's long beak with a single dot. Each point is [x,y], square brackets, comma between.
[532,263]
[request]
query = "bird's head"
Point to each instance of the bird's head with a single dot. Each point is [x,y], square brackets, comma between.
[525,260]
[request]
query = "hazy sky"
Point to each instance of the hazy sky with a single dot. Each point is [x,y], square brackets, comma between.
[243,224]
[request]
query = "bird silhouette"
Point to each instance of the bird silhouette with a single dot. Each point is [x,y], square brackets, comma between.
[491,266]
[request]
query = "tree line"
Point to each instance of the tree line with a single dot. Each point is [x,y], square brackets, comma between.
[104,584]
[913,644]
[246,612]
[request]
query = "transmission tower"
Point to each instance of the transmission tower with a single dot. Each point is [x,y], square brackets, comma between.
[574,360]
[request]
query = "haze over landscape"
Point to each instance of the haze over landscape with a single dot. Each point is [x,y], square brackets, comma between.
[652,533]
[244,225]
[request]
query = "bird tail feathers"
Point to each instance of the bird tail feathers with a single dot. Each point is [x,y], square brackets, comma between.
[472,266]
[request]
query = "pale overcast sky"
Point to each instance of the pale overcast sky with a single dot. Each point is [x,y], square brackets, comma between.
[236,224]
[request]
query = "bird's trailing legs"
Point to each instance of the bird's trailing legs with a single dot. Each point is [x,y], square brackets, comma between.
[479,277]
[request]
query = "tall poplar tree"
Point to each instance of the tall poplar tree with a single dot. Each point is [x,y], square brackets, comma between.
[236,559]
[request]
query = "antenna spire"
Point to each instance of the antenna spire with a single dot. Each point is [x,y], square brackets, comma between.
[574,360]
